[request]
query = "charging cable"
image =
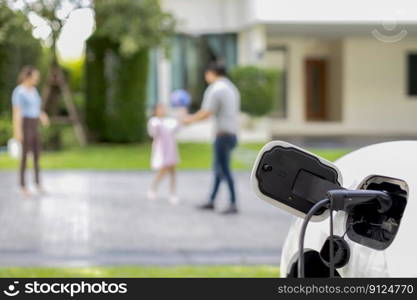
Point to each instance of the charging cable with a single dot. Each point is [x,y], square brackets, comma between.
[345,200]
[307,219]
[331,245]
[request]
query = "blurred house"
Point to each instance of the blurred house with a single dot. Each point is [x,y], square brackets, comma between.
[346,70]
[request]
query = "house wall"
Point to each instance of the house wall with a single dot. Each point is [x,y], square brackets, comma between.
[335,80]
[375,86]
[367,92]
[298,49]
[214,16]
[366,77]
[252,43]
[202,16]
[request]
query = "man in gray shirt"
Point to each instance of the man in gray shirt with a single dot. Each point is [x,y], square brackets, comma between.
[221,100]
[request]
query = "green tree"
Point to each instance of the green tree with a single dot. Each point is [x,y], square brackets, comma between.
[17,48]
[55,13]
[134,25]
[117,66]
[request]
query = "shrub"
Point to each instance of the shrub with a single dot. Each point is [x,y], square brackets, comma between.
[117,66]
[74,70]
[51,138]
[116,92]
[258,88]
[6,129]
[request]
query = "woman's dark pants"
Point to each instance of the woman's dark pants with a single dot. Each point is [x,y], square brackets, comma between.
[31,143]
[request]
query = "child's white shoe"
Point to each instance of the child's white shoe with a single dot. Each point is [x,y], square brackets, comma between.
[174,200]
[152,195]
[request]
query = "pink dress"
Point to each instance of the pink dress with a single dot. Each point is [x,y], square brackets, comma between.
[164,146]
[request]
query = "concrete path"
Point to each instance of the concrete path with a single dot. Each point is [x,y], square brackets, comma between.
[104,218]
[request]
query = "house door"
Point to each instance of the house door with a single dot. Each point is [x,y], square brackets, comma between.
[316,87]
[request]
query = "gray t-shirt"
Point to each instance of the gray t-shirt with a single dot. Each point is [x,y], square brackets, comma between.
[222,99]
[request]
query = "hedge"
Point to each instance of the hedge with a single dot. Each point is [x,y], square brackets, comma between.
[115,92]
[6,129]
[258,88]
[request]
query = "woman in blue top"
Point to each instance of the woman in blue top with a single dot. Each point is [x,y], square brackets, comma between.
[27,111]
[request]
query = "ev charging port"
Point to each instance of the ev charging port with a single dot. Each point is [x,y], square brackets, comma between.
[314,266]
[366,226]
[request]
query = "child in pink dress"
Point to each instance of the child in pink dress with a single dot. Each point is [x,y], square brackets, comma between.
[164,156]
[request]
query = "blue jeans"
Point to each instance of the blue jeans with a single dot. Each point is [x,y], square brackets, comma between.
[223,147]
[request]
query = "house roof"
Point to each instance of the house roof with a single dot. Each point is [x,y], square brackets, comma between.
[352,11]
[295,16]
[339,29]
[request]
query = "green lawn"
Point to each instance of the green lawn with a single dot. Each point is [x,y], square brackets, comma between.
[155,272]
[123,157]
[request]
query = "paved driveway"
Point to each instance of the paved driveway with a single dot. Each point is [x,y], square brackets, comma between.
[104,218]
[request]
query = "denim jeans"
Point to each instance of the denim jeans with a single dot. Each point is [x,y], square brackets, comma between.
[223,147]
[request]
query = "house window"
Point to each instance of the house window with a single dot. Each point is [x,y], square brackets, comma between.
[412,74]
[152,83]
[191,54]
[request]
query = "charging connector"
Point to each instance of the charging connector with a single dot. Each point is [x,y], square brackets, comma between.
[341,200]
[347,200]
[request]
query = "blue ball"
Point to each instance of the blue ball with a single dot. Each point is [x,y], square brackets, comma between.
[180,98]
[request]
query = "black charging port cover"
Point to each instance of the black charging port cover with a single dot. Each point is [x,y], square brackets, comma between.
[341,252]
[295,178]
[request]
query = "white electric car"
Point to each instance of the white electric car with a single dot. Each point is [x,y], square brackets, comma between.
[380,245]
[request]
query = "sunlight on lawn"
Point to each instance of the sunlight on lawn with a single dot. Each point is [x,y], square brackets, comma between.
[136,157]
[155,272]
